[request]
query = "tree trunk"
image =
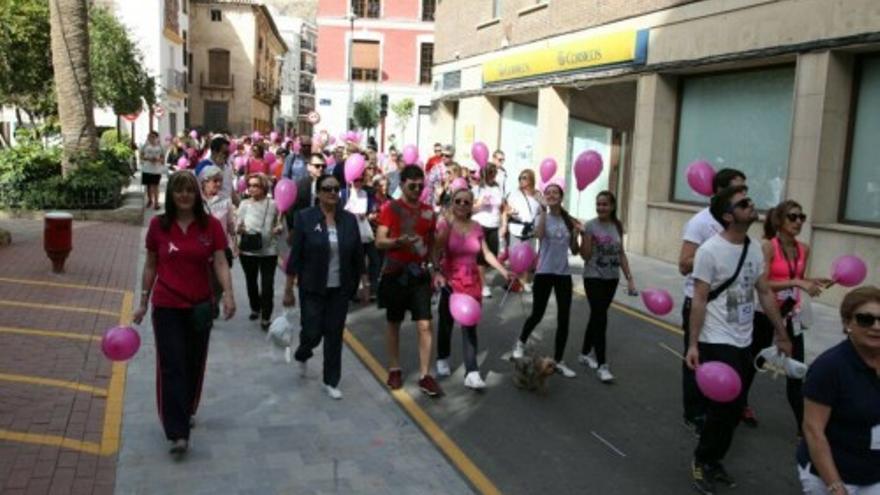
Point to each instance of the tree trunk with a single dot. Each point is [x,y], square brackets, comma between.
[69,21]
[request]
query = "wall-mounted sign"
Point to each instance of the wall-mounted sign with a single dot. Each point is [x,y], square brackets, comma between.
[584,53]
[314,117]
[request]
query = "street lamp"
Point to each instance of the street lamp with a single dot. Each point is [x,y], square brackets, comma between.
[350,110]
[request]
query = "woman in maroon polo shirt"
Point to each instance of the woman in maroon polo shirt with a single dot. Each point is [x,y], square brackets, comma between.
[183,246]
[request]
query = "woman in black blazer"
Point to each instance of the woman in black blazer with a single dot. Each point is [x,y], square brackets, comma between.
[326,262]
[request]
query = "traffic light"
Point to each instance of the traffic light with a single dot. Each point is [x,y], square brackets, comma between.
[383,105]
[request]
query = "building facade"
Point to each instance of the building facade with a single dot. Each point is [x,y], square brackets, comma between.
[787,91]
[298,75]
[389,48]
[237,57]
[160,29]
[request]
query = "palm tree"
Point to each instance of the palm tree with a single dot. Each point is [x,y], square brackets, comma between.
[69,21]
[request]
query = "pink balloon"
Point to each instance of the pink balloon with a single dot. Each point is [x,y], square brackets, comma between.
[273,136]
[480,153]
[521,258]
[699,176]
[849,271]
[285,194]
[587,168]
[557,181]
[658,301]
[354,167]
[458,183]
[269,158]
[120,343]
[548,169]
[465,309]
[718,381]
[183,162]
[256,136]
[242,184]
[194,134]
[240,162]
[410,154]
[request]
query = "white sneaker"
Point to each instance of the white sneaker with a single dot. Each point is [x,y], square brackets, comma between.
[588,360]
[443,368]
[527,288]
[780,363]
[604,374]
[487,292]
[333,392]
[474,381]
[519,350]
[564,370]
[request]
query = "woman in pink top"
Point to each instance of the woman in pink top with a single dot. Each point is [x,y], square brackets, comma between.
[256,165]
[458,243]
[785,261]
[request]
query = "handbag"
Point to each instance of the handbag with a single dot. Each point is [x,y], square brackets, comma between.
[253,241]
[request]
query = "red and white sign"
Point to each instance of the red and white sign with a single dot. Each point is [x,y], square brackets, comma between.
[313,117]
[132,116]
[158,110]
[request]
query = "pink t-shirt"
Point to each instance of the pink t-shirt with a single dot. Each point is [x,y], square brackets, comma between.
[459,264]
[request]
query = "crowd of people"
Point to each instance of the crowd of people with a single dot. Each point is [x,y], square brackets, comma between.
[400,233]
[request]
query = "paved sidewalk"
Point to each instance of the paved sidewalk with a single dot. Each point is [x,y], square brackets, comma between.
[262,429]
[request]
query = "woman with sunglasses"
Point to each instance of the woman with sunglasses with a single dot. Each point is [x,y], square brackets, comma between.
[184,245]
[458,244]
[326,263]
[785,262]
[558,233]
[840,451]
[257,216]
[522,208]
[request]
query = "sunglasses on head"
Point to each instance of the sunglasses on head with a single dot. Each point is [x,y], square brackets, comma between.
[415,186]
[866,320]
[464,202]
[330,189]
[794,217]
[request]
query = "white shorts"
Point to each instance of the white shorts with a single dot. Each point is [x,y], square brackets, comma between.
[813,485]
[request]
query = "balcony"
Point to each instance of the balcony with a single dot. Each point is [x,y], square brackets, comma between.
[306,104]
[307,44]
[265,91]
[225,82]
[309,68]
[171,24]
[175,81]
[307,87]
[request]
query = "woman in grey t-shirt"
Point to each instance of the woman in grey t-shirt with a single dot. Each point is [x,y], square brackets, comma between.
[602,251]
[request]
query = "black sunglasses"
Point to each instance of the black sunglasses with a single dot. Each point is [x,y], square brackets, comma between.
[464,202]
[415,186]
[330,189]
[318,165]
[866,320]
[794,217]
[743,203]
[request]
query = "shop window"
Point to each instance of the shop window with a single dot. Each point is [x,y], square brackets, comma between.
[366,8]
[738,120]
[426,61]
[218,67]
[863,177]
[365,60]
[428,9]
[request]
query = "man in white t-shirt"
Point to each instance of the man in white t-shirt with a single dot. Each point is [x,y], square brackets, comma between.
[698,230]
[722,310]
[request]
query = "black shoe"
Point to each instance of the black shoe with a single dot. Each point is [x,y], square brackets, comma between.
[253,316]
[718,474]
[179,446]
[695,424]
[701,478]
[264,324]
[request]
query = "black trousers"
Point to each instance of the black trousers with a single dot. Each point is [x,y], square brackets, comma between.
[374,265]
[694,402]
[600,293]
[323,317]
[444,335]
[542,286]
[181,354]
[260,293]
[721,418]
[763,338]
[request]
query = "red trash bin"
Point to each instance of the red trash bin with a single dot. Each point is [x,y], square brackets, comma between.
[58,238]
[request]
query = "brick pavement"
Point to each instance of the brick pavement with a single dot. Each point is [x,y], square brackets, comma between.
[55,435]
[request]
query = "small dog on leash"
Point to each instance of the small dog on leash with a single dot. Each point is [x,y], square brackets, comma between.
[531,372]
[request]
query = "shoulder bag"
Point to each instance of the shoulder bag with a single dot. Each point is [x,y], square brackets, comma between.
[253,241]
[714,293]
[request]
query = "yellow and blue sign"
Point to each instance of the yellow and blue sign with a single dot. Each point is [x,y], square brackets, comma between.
[624,47]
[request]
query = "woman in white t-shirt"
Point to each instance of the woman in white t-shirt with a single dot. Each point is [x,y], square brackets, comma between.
[357,202]
[487,212]
[152,167]
[558,233]
[521,209]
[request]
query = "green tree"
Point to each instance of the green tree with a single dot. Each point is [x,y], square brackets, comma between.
[366,112]
[25,70]
[403,113]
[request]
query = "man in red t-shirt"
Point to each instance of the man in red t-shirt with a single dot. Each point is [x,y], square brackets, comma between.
[436,159]
[405,233]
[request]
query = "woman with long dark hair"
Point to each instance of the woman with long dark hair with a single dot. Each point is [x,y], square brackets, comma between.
[183,246]
[557,232]
[604,257]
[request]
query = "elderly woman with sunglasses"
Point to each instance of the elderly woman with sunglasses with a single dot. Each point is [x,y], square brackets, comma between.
[785,262]
[840,451]
[327,263]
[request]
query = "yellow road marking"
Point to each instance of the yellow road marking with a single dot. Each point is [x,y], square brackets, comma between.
[59,285]
[49,333]
[431,428]
[111,434]
[52,440]
[51,382]
[57,307]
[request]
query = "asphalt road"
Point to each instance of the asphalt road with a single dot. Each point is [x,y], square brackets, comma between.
[583,436]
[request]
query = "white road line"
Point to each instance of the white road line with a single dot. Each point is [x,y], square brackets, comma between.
[608,444]
[670,349]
